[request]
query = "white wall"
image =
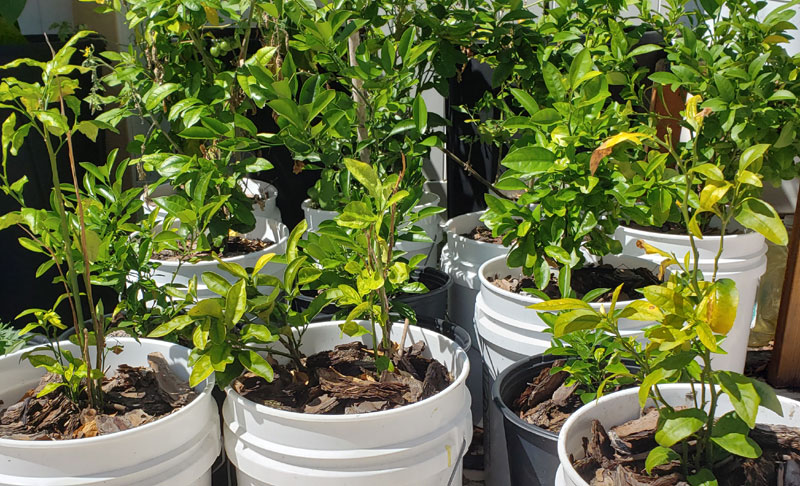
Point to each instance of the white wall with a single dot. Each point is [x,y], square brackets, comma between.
[39,15]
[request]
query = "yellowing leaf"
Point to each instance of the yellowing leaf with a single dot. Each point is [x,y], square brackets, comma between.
[718,307]
[607,146]
[775,39]
[211,15]
[712,193]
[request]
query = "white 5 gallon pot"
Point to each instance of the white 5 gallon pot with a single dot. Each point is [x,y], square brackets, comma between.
[461,259]
[181,272]
[314,217]
[508,331]
[417,445]
[176,450]
[744,260]
[617,408]
[265,207]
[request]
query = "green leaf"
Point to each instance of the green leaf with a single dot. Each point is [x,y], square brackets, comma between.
[529,160]
[289,110]
[525,100]
[263,260]
[678,425]
[742,394]
[49,388]
[198,132]
[207,307]
[10,10]
[640,310]
[366,175]
[560,305]
[235,303]
[157,93]
[731,433]
[658,456]
[176,324]
[257,332]
[725,87]
[711,171]
[664,78]
[655,377]
[704,477]
[769,399]
[352,329]
[553,81]
[420,114]
[759,216]
[644,49]
[546,116]
[201,369]
[752,154]
[782,95]
[576,320]
[258,365]
[232,267]
[216,283]
[581,64]
[667,300]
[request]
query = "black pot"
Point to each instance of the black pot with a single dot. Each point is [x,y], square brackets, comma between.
[528,454]
[432,304]
[447,329]
[517,452]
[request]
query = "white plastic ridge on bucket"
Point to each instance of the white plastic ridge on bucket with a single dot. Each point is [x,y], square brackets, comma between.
[176,450]
[743,260]
[182,272]
[617,408]
[421,444]
[509,331]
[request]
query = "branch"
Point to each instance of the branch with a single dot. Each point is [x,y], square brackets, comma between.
[468,168]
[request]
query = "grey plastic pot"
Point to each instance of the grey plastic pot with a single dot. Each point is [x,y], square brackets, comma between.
[516,451]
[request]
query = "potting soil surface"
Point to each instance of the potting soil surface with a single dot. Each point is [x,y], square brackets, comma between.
[233,246]
[345,381]
[586,279]
[133,396]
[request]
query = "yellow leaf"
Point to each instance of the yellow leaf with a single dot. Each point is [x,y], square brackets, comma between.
[211,15]
[712,193]
[605,148]
[718,307]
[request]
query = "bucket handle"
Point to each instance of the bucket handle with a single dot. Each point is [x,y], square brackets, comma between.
[455,467]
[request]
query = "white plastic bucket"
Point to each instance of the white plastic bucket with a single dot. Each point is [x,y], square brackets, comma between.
[265,208]
[417,445]
[176,450]
[744,260]
[509,331]
[315,217]
[461,258]
[181,272]
[617,408]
